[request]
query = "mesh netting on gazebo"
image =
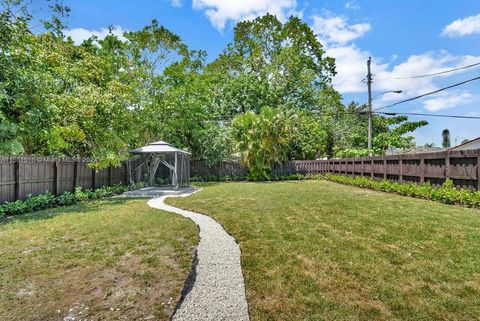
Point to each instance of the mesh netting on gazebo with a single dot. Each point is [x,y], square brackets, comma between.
[160,164]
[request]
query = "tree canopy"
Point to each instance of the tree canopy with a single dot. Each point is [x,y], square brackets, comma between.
[266,98]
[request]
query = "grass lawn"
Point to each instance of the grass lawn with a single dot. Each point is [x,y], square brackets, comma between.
[102,260]
[316,250]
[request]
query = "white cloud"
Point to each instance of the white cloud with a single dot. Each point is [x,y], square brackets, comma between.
[351,64]
[426,63]
[463,27]
[336,30]
[336,35]
[176,3]
[219,12]
[78,35]
[352,5]
[447,100]
[351,67]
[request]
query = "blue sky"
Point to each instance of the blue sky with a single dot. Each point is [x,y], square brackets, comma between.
[405,38]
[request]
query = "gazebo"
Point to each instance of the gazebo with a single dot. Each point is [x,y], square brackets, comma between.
[145,165]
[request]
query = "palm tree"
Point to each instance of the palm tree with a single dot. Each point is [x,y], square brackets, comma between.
[446,138]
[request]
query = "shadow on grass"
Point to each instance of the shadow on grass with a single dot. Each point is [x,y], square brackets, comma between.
[84,207]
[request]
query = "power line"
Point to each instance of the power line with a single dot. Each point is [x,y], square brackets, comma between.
[439,73]
[429,93]
[429,115]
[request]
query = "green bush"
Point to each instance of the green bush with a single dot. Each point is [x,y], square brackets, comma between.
[48,200]
[447,193]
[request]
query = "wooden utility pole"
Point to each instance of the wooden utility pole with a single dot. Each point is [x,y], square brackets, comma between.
[369,84]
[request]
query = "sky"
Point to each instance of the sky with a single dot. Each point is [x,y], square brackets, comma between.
[405,38]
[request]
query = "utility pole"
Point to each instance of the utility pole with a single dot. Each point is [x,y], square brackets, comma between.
[369,83]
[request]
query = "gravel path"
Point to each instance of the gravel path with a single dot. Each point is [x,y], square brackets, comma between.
[215,289]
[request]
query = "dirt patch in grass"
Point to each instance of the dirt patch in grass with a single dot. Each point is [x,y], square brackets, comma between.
[111,260]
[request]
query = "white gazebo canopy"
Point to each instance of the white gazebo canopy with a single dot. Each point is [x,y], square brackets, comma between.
[154,154]
[158,147]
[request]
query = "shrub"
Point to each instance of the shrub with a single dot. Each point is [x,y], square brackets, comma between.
[447,193]
[48,200]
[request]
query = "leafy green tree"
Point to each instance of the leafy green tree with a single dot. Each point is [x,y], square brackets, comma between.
[351,133]
[62,99]
[271,64]
[274,136]
[396,134]
[263,140]
[105,96]
[309,139]
[216,143]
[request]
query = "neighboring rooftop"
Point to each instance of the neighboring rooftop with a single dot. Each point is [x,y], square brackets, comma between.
[471,144]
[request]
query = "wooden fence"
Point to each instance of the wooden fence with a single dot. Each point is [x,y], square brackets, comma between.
[232,169]
[463,167]
[21,176]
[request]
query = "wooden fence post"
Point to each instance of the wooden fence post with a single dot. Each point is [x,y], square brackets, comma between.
[362,168]
[447,165]
[478,173]
[17,179]
[110,179]
[400,170]
[75,175]
[127,172]
[94,176]
[55,178]
[422,170]
[384,168]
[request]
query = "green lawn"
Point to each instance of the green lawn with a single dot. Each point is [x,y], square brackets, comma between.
[316,250]
[103,260]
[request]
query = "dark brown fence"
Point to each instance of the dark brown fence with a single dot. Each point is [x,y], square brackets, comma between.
[463,167]
[232,169]
[21,176]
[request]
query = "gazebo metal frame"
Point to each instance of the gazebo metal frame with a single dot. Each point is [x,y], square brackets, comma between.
[147,160]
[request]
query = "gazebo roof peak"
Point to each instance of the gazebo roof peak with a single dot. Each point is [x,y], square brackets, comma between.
[160,142]
[158,148]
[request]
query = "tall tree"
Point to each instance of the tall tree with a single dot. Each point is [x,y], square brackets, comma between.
[102,97]
[351,132]
[446,138]
[263,139]
[271,64]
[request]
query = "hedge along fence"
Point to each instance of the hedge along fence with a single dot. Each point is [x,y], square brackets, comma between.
[23,176]
[48,200]
[462,167]
[447,193]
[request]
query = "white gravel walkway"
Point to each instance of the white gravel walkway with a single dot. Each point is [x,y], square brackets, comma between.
[216,288]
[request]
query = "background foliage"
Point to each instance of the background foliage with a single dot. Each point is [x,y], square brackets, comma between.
[265,99]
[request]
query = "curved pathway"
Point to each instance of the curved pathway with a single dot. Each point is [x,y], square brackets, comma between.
[215,289]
